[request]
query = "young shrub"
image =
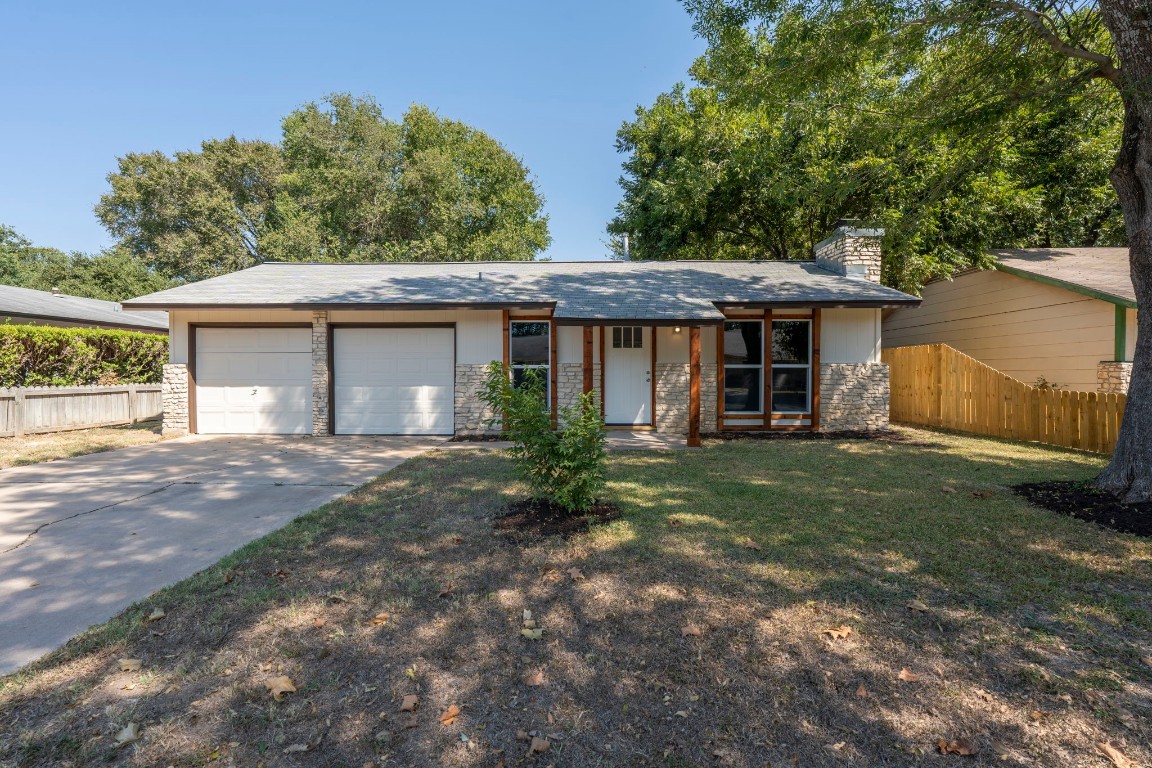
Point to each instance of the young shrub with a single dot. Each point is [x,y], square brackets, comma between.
[564,466]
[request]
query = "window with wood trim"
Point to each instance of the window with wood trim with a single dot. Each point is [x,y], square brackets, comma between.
[791,366]
[529,348]
[744,367]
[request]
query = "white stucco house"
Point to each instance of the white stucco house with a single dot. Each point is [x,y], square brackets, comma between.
[401,348]
[1063,315]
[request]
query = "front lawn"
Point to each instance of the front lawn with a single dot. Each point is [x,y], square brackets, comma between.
[690,633]
[33,449]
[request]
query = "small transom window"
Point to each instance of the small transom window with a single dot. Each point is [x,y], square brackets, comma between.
[628,337]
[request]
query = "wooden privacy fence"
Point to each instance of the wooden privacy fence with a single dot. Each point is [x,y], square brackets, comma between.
[28,410]
[937,386]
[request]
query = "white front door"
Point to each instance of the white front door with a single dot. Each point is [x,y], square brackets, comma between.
[394,381]
[254,381]
[628,375]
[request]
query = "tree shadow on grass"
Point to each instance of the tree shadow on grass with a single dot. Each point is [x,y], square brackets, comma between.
[771,545]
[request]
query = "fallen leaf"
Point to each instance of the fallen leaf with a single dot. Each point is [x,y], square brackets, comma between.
[576,574]
[130,665]
[552,574]
[533,634]
[280,574]
[319,622]
[410,703]
[522,735]
[157,614]
[538,746]
[278,686]
[690,630]
[1118,758]
[908,676]
[948,489]
[682,713]
[674,522]
[838,633]
[411,721]
[1036,715]
[379,619]
[295,748]
[981,494]
[861,692]
[445,590]
[128,734]
[957,747]
[837,747]
[450,715]
[534,678]
[916,605]
[527,615]
[749,544]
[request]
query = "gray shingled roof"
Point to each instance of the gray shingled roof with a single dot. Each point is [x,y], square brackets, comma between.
[1103,270]
[41,305]
[601,290]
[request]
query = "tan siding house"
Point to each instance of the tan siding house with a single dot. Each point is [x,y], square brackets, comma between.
[1065,317]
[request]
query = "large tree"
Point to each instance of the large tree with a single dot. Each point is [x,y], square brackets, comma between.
[967,69]
[742,165]
[345,184]
[113,275]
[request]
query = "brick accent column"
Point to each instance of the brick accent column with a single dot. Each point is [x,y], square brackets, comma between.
[853,397]
[174,399]
[320,373]
[1113,376]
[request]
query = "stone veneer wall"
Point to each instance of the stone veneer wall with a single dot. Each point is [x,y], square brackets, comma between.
[1113,376]
[853,396]
[850,247]
[320,373]
[570,382]
[672,394]
[174,399]
[471,415]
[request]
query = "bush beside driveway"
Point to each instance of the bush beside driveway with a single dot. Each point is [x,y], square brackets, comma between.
[692,631]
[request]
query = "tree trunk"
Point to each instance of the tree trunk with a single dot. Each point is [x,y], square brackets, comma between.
[1129,475]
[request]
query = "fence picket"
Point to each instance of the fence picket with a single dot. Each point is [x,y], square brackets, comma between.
[32,410]
[935,385]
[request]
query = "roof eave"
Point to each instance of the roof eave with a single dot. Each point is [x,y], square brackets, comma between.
[1084,290]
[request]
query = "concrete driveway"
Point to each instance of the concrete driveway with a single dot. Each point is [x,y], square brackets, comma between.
[81,539]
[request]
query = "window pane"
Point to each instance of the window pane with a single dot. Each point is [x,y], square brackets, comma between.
[742,390]
[617,337]
[790,390]
[790,341]
[528,343]
[743,342]
[539,376]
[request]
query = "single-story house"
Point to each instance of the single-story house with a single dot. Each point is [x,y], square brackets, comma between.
[25,306]
[401,348]
[1065,316]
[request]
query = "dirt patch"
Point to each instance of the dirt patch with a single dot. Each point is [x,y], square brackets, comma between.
[538,517]
[888,436]
[1082,501]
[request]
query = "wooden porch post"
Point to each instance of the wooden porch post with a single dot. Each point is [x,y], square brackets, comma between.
[587,359]
[694,387]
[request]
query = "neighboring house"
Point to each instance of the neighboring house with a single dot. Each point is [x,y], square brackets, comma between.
[401,348]
[24,306]
[1066,316]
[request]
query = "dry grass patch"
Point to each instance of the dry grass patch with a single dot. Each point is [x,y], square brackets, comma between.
[961,615]
[33,449]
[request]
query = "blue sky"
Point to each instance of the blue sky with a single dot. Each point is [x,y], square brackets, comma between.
[85,82]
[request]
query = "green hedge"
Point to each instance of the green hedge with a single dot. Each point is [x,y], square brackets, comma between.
[43,356]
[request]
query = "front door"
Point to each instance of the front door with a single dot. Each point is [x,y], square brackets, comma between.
[628,375]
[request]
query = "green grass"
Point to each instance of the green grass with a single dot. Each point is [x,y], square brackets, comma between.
[761,544]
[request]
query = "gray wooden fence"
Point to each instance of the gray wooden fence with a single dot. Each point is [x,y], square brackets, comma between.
[29,410]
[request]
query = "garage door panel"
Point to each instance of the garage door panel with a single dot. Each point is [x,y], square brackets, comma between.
[254,380]
[394,380]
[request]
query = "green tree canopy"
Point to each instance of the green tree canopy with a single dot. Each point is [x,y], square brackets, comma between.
[345,184]
[113,275]
[788,128]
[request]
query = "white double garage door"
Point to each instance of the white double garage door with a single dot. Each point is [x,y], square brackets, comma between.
[386,381]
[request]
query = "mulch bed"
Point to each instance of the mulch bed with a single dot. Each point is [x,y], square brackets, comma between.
[884,436]
[1084,502]
[538,517]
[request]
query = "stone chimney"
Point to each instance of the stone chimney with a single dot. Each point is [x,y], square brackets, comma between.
[851,251]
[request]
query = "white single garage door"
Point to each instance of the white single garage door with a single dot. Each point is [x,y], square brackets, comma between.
[254,381]
[394,381]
